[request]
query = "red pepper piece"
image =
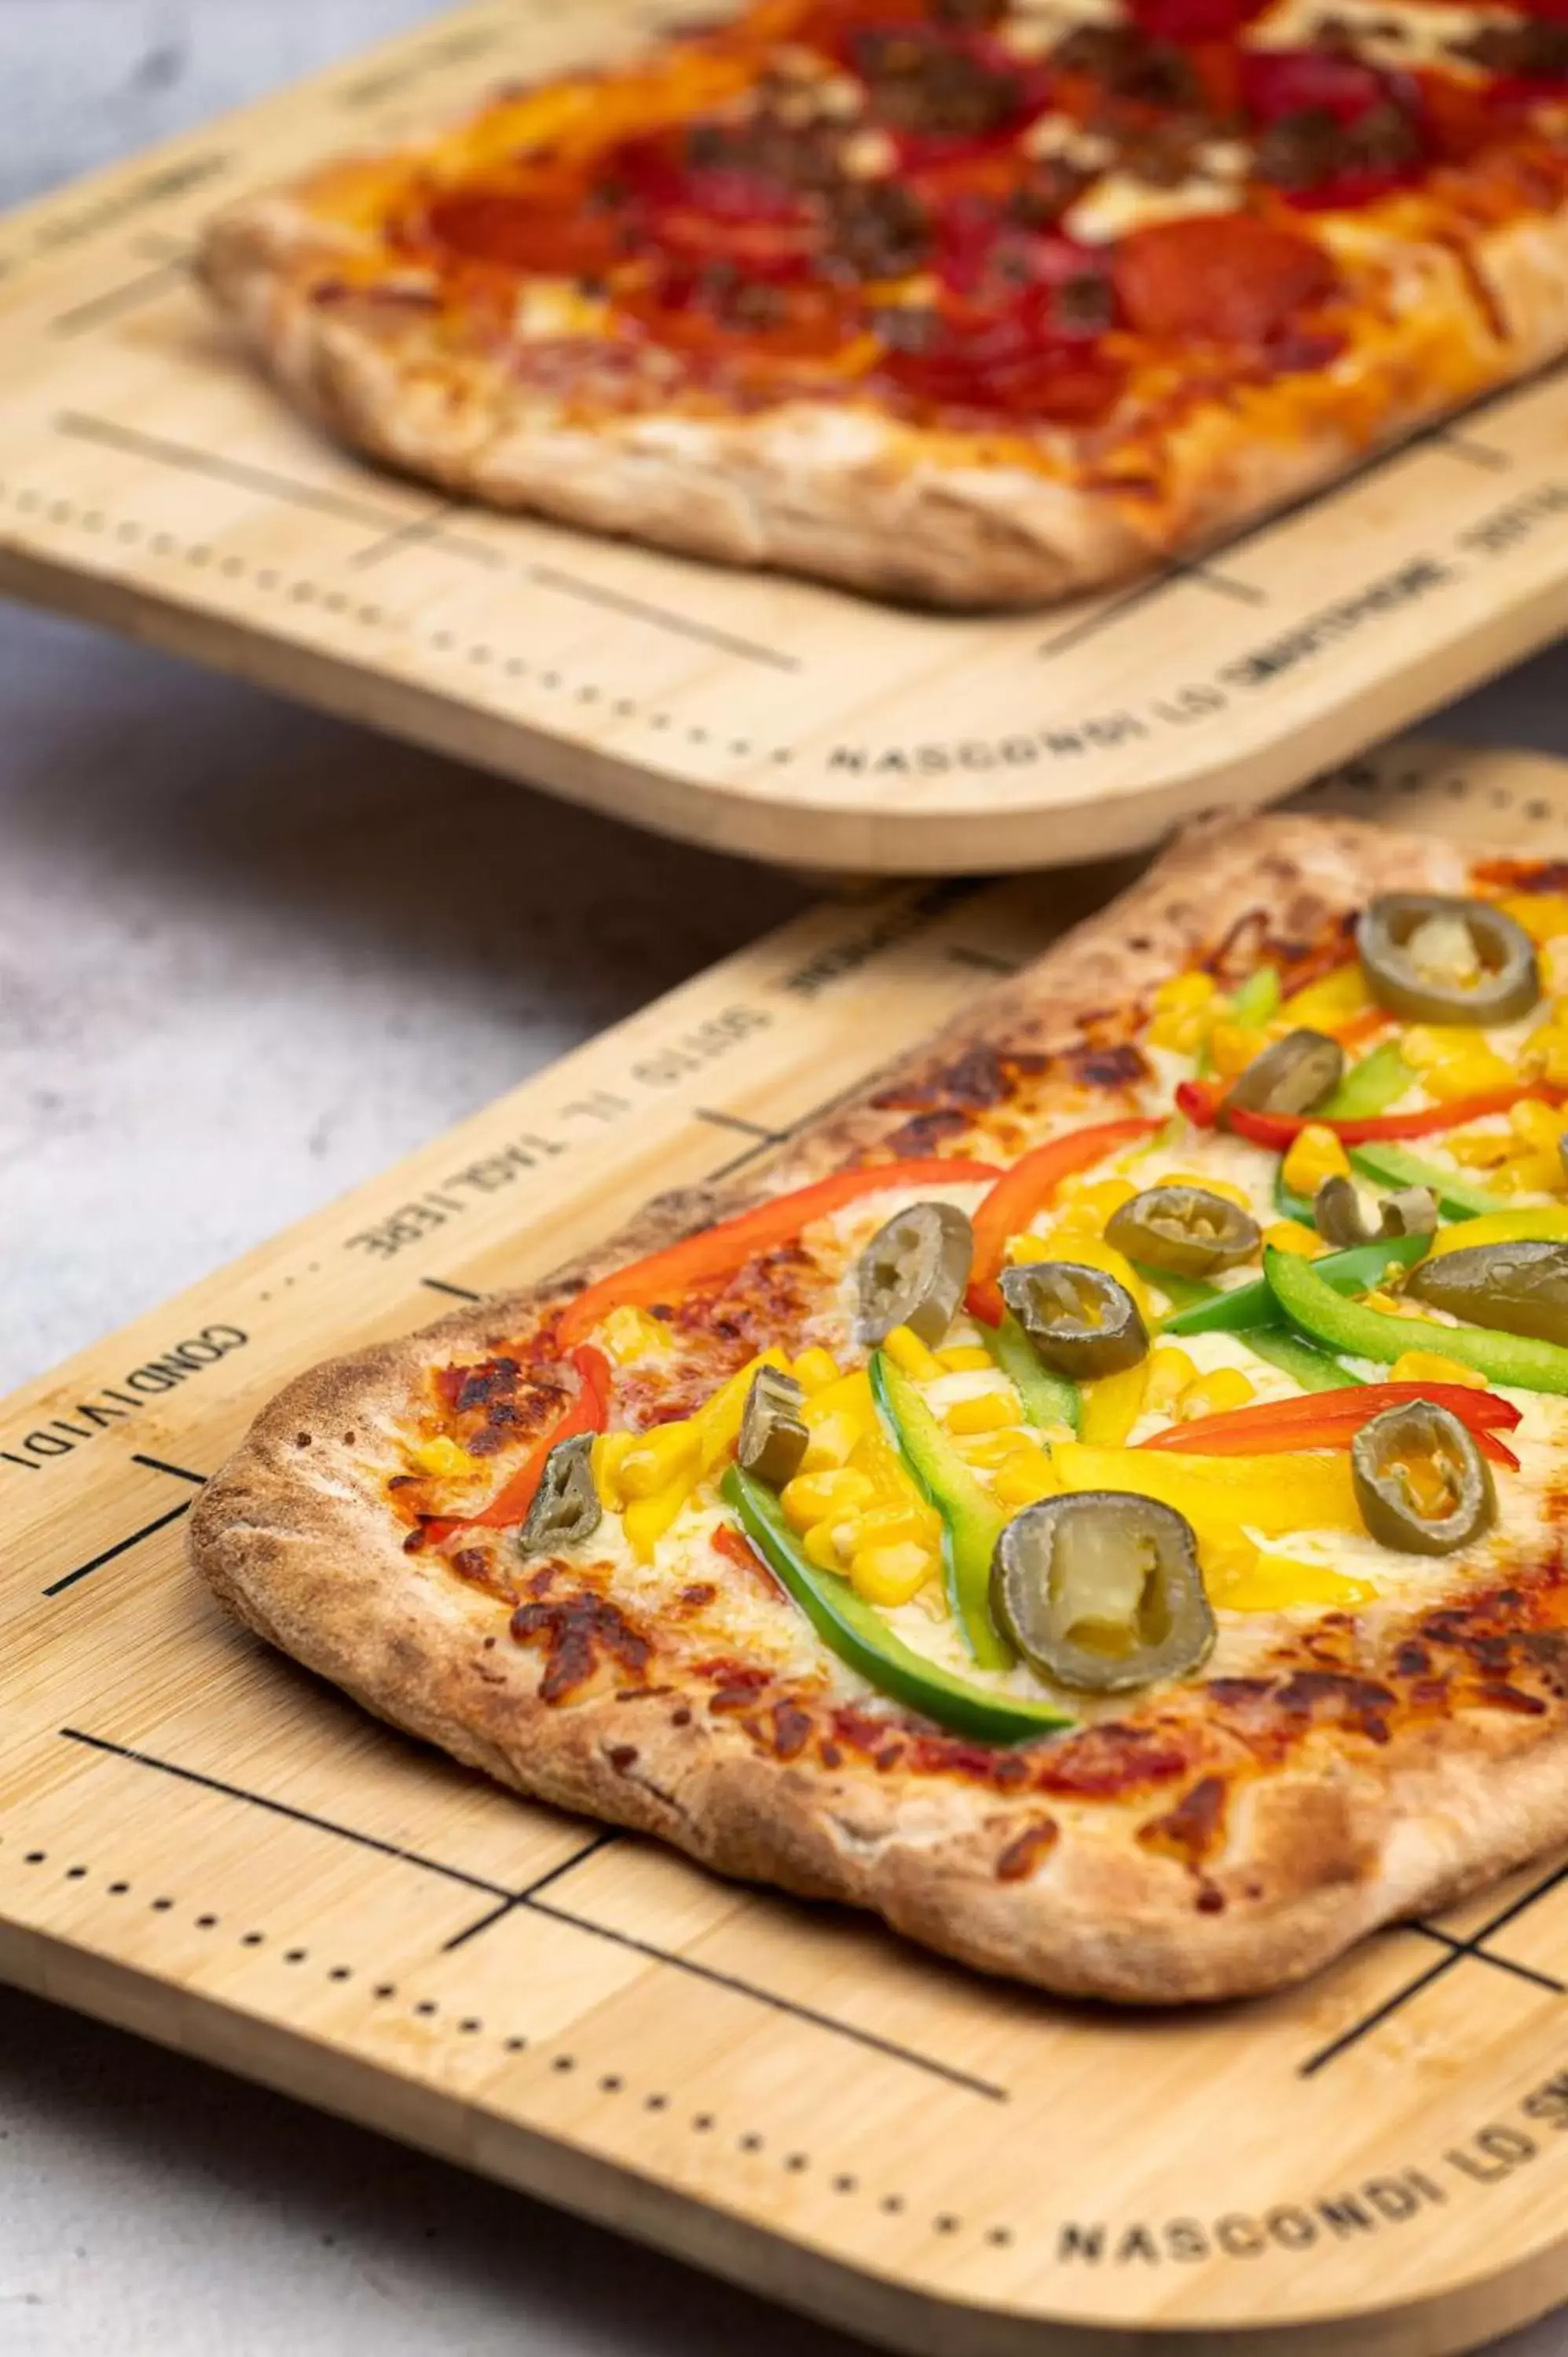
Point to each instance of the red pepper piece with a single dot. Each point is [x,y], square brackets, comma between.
[1332,1419]
[1027,1188]
[718,1252]
[1200,1100]
[589,1412]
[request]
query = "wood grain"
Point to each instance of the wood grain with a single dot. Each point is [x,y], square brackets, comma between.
[149,482]
[201,1842]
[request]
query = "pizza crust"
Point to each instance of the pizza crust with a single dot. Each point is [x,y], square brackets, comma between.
[294,1536]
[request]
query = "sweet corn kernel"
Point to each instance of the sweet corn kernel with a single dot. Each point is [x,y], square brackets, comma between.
[1538,1125]
[1233,1047]
[1542,915]
[1215,1394]
[1529,1174]
[906,1349]
[829,1440]
[903,1525]
[1182,991]
[668,1453]
[812,1498]
[891,1576]
[964,1359]
[444,1458]
[1096,1198]
[1182,1030]
[814,1370]
[1454,1061]
[1170,1373]
[819,1546]
[1295,1236]
[1316,1155]
[628,1333]
[1431,1367]
[1025,1476]
[987,1411]
[610,1452]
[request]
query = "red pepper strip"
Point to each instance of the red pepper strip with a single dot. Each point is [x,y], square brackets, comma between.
[718,1252]
[1332,1419]
[1025,1190]
[589,1412]
[1199,1100]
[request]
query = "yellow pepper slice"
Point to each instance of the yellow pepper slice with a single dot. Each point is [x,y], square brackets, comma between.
[1274,1495]
[1548,1223]
[1113,1406]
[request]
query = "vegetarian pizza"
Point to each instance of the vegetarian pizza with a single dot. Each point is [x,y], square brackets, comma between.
[973,301]
[1098,1501]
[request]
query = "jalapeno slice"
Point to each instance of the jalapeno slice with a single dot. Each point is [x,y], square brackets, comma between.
[1421,1483]
[1519,1288]
[1187,1230]
[1339,1213]
[1079,1321]
[913,1272]
[773,1434]
[1434,958]
[566,1503]
[1292,1076]
[1101,1592]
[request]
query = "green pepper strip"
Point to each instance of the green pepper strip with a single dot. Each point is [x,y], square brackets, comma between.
[1251,1004]
[1513,1359]
[853,1631]
[1369,1087]
[1390,1165]
[1248,1305]
[1290,1205]
[971,1520]
[1046,1399]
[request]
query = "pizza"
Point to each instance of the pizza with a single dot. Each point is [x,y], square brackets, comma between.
[1098,1501]
[973,302]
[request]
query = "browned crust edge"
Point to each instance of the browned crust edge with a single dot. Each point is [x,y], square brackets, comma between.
[297,1540]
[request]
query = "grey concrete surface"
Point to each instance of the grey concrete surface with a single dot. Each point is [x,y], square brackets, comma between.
[248,957]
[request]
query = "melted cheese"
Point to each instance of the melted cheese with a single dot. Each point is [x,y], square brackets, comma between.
[1119,204]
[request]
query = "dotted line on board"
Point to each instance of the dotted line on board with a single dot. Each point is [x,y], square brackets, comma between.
[383,1994]
[299,591]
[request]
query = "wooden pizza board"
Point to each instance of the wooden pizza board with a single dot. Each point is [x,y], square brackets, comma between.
[201,1842]
[149,480]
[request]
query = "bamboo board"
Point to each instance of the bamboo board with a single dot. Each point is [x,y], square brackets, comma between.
[148,480]
[199,1842]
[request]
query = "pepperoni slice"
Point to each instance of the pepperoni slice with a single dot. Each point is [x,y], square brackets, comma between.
[1022,366]
[515,232]
[1227,277]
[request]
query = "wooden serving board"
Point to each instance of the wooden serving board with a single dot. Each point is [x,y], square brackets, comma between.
[149,480]
[202,1843]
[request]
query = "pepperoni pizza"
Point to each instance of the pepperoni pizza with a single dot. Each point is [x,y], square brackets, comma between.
[977,302]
